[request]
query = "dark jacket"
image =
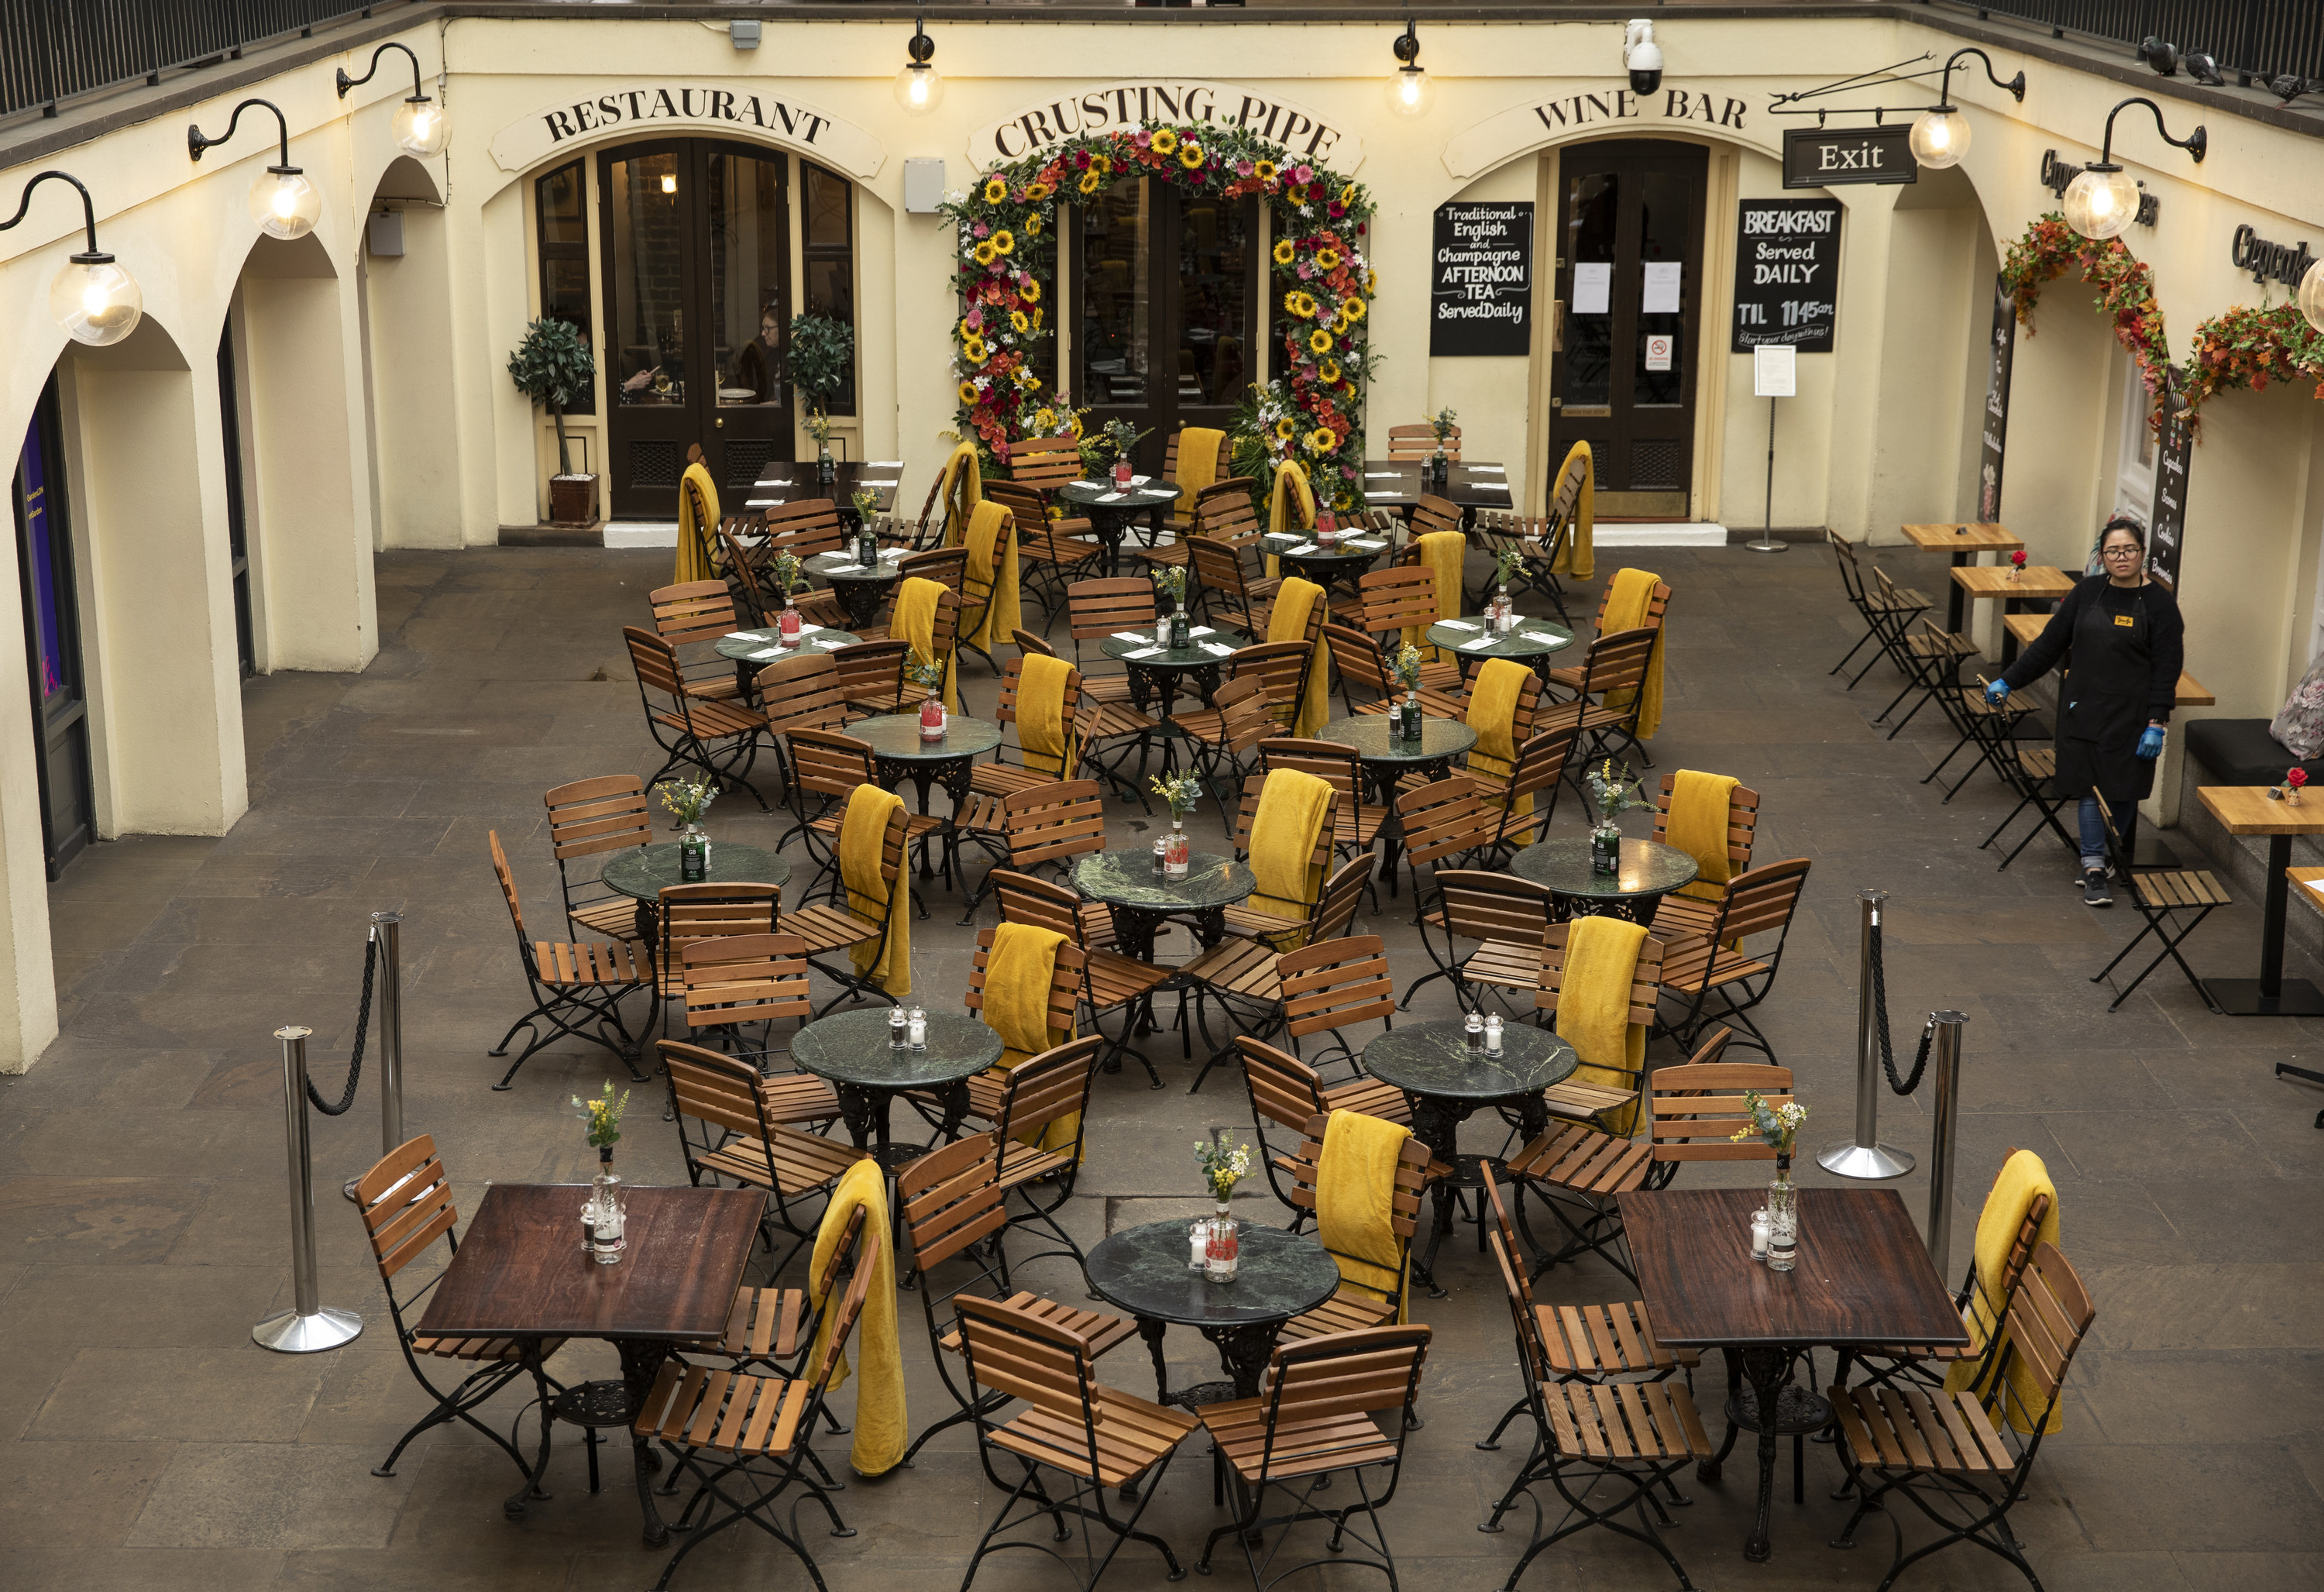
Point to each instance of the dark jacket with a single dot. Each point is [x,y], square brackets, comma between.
[2122,652]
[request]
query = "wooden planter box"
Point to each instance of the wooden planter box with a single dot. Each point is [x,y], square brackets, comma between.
[573,499]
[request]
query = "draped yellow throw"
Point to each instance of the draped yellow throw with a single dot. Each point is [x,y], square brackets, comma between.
[1041,713]
[880,1428]
[959,490]
[1198,465]
[914,619]
[1286,517]
[1493,715]
[862,839]
[1355,1209]
[696,541]
[1283,834]
[1018,971]
[1442,551]
[2023,1176]
[992,564]
[1578,557]
[1288,622]
[1697,826]
[1594,1008]
[1627,602]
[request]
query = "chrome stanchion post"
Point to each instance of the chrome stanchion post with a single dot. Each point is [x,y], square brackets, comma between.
[1866,1156]
[308,1326]
[1941,1141]
[389,927]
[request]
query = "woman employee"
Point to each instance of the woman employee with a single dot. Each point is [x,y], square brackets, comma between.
[2123,643]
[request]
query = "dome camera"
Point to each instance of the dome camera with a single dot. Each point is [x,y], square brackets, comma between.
[1642,56]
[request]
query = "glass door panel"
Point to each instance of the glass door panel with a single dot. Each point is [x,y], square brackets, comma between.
[1114,292]
[749,248]
[45,561]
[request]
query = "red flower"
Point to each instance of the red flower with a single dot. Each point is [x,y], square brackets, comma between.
[2295,776]
[2019,558]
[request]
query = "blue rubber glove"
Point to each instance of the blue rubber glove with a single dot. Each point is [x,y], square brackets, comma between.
[1996,693]
[2150,745]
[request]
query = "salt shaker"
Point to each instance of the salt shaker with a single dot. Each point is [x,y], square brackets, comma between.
[1493,1034]
[917,1029]
[1473,1027]
[1758,1235]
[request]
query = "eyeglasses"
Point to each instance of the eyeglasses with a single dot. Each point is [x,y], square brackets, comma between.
[2123,552]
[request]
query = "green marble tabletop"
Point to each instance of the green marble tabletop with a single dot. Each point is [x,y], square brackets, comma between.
[765,646]
[898,736]
[1100,494]
[1374,737]
[1126,878]
[1646,867]
[1435,1059]
[1351,551]
[1194,656]
[1143,1270]
[644,872]
[1532,638]
[852,1047]
[847,570]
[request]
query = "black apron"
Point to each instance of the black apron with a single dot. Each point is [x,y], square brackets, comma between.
[2106,692]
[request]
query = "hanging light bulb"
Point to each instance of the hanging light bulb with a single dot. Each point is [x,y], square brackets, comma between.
[284,203]
[1409,91]
[92,298]
[669,182]
[1941,137]
[919,87]
[419,124]
[2311,295]
[2101,201]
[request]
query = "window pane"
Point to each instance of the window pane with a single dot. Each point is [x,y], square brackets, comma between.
[561,197]
[1591,203]
[1666,200]
[37,544]
[643,351]
[748,244]
[1214,245]
[829,257]
[1112,294]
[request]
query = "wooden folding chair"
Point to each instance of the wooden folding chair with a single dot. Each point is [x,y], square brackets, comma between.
[1504,914]
[577,986]
[1886,608]
[1354,1306]
[1400,598]
[726,1130]
[2161,896]
[1112,984]
[2032,771]
[1277,931]
[718,738]
[1697,967]
[834,928]
[1289,1093]
[735,981]
[1021,1104]
[695,614]
[1409,445]
[982,818]
[595,818]
[684,913]
[1682,916]
[1935,657]
[1355,823]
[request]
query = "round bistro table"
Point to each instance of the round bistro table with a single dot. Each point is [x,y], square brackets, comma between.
[853,1052]
[897,753]
[1648,871]
[1142,899]
[1344,563]
[860,591]
[644,872]
[752,650]
[1113,509]
[1534,643]
[1448,1081]
[1143,1270]
[1170,671]
[1387,757]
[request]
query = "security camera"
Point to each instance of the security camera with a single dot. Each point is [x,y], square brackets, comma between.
[1642,55]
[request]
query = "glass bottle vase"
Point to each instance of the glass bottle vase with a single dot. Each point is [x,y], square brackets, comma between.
[608,1211]
[1783,1217]
[693,860]
[1175,857]
[1226,1256]
[1606,850]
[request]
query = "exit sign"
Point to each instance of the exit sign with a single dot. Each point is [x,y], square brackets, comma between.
[1836,157]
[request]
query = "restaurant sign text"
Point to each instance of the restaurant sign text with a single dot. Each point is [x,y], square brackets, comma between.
[1123,107]
[756,108]
[1510,134]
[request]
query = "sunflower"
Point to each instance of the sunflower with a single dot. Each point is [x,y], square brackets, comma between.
[968,393]
[1030,291]
[1285,253]
[1300,304]
[996,190]
[1044,421]
[1073,425]
[1321,440]
[1327,260]
[1017,320]
[1372,281]
[973,347]
[1100,165]
[1037,317]
[1032,226]
[1287,427]
[1264,170]
[1035,193]
[1190,156]
[1329,370]
[1348,194]
[1319,341]
[1089,181]
[1353,309]
[1003,244]
[985,253]
[1165,141]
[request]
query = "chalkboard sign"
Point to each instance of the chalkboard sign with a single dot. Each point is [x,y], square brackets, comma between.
[1786,274]
[2168,532]
[1481,289]
[2002,354]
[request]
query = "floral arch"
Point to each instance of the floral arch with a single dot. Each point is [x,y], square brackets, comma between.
[1320,286]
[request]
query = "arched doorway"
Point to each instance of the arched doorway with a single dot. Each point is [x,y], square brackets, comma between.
[697,306]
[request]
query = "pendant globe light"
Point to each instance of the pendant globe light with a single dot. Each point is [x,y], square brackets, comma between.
[1941,136]
[420,127]
[93,298]
[282,202]
[919,87]
[2103,200]
[1409,91]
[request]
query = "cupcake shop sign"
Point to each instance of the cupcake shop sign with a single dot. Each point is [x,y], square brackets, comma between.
[756,108]
[1116,108]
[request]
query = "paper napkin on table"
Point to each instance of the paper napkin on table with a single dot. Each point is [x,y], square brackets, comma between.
[1218,649]
[1128,636]
[1456,625]
[1479,645]
[1150,652]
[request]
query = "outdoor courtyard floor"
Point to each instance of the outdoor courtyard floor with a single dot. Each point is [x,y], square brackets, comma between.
[145,1442]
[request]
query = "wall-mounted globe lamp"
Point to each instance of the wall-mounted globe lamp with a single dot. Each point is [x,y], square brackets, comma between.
[1941,137]
[1409,91]
[92,298]
[419,124]
[283,203]
[2103,200]
[919,87]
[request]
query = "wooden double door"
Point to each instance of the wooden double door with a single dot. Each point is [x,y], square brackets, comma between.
[1630,277]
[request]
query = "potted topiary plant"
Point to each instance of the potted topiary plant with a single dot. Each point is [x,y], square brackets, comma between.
[822,351]
[552,365]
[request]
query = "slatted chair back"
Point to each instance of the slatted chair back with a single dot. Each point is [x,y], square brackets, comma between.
[1027,644]
[739,564]
[2048,1320]
[1541,762]
[1762,900]
[1359,661]
[744,979]
[694,611]
[1047,1365]
[1038,903]
[871,673]
[804,528]
[1432,513]
[829,765]
[1253,789]
[1851,573]
[1282,667]
[590,817]
[1012,680]
[1340,766]
[1646,984]
[1050,1087]
[928,529]
[944,625]
[1656,605]
[1617,662]
[948,1200]
[1446,818]
[656,666]
[508,890]
[947,567]
[1521,717]
[1481,905]
[1225,512]
[712,912]
[1219,467]
[715,1098]
[1533,1353]
[1028,506]
[1334,984]
[1219,569]
[1096,608]
[1696,1110]
[1343,892]
[803,692]
[1051,822]
[1742,823]
[1404,1196]
[1247,714]
[1397,598]
[1284,1089]
[1408,443]
[1340,1378]
[406,1203]
[1044,462]
[1065,988]
[843,1327]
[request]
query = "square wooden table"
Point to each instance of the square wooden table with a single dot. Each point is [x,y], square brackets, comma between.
[2244,809]
[1397,483]
[1863,1277]
[1964,542]
[2025,627]
[521,1272]
[2036,583]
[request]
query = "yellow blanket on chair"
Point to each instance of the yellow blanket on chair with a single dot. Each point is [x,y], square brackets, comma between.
[958,492]
[1578,557]
[1627,603]
[2023,1176]
[993,564]
[1593,1010]
[1284,834]
[880,1428]
[1442,551]
[1355,1203]
[1018,971]
[914,619]
[863,838]
[1198,465]
[1493,715]
[1041,714]
[1697,825]
[697,553]
[1285,516]
[1288,622]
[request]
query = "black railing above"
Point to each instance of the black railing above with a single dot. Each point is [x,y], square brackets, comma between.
[52,50]
[2254,40]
